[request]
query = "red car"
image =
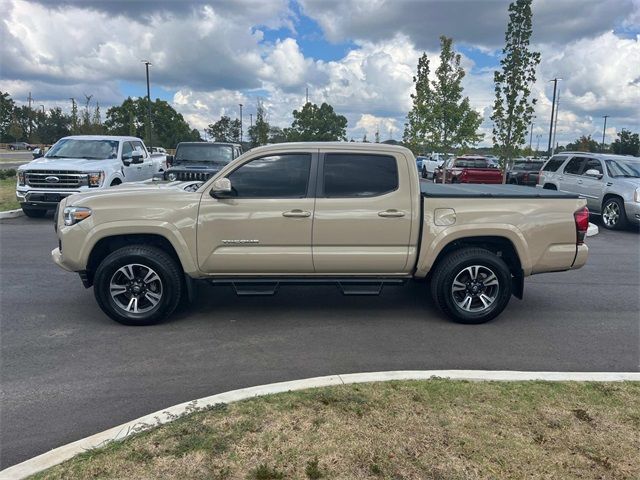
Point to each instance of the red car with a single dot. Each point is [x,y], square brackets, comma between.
[470,169]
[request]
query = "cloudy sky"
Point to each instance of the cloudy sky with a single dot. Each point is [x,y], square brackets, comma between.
[358,55]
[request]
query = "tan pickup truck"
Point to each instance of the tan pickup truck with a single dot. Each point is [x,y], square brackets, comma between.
[353,214]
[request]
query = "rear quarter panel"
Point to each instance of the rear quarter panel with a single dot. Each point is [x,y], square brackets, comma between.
[542,231]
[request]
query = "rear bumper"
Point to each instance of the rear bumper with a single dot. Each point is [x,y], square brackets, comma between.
[582,252]
[632,209]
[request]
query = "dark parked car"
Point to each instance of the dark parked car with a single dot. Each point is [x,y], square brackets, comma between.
[200,160]
[525,173]
[20,146]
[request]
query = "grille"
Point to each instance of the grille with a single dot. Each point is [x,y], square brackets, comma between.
[188,176]
[66,179]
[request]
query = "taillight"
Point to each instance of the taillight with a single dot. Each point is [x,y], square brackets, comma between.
[581,218]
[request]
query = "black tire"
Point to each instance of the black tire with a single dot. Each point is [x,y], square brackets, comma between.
[34,212]
[513,181]
[614,216]
[550,186]
[166,268]
[116,182]
[425,174]
[452,267]
[11,147]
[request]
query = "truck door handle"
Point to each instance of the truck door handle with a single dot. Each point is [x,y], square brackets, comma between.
[392,212]
[296,213]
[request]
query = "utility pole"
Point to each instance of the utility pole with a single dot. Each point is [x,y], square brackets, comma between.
[74,116]
[42,109]
[538,136]
[531,131]
[604,129]
[307,95]
[240,123]
[147,63]
[553,106]
[29,99]
[555,125]
[251,120]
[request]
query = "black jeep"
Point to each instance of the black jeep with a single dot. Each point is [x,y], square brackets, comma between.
[200,160]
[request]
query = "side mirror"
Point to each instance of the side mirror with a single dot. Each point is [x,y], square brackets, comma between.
[593,173]
[37,153]
[169,160]
[221,188]
[136,157]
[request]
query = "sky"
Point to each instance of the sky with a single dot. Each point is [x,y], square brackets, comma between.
[358,55]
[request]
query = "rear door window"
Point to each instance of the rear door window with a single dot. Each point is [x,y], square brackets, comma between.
[593,164]
[574,167]
[358,175]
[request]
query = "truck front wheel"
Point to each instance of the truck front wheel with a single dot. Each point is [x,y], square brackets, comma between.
[138,285]
[471,285]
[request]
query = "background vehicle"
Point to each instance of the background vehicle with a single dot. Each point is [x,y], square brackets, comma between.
[427,165]
[469,169]
[20,146]
[610,183]
[345,213]
[525,172]
[158,150]
[200,160]
[82,163]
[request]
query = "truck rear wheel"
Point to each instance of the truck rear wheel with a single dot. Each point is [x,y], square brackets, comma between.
[471,285]
[138,285]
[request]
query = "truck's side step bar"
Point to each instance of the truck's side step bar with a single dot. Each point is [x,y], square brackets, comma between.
[269,285]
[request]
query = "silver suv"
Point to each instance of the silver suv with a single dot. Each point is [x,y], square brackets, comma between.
[610,183]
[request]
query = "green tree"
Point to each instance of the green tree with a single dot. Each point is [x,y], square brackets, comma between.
[313,123]
[225,130]
[512,109]
[6,115]
[276,135]
[169,126]
[627,143]
[441,118]
[259,132]
[584,144]
[16,132]
[54,126]
[421,113]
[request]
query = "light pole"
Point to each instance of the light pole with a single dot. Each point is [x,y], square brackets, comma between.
[604,130]
[553,107]
[240,123]
[42,108]
[147,64]
[538,136]
[531,131]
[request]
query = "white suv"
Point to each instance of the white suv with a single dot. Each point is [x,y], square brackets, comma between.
[610,183]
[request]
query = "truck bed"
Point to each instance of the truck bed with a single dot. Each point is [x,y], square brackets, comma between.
[471,190]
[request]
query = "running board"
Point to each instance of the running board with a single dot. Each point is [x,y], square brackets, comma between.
[266,286]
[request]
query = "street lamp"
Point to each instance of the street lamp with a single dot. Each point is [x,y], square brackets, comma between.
[604,129]
[147,64]
[531,131]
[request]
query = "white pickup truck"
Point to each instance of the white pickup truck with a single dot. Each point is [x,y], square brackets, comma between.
[83,163]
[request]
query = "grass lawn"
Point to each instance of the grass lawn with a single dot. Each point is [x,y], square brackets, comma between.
[8,194]
[435,429]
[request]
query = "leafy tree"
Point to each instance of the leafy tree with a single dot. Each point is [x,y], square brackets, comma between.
[53,126]
[225,130]
[512,109]
[259,132]
[627,143]
[6,115]
[169,126]
[364,139]
[441,118]
[313,123]
[415,131]
[584,144]
[277,135]
[16,133]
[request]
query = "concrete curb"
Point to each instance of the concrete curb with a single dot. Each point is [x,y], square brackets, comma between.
[60,454]
[592,230]
[11,213]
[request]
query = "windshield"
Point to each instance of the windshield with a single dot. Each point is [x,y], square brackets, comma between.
[623,168]
[85,149]
[528,166]
[205,153]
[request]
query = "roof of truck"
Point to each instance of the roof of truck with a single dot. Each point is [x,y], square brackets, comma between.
[351,146]
[101,137]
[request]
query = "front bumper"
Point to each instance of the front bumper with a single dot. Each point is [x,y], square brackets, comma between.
[56,255]
[42,198]
[632,209]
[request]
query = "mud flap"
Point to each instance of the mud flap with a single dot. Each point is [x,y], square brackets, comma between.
[517,285]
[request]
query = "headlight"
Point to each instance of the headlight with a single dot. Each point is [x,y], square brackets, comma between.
[95,179]
[172,176]
[73,215]
[20,177]
[636,195]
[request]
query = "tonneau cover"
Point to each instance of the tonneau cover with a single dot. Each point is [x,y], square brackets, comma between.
[473,190]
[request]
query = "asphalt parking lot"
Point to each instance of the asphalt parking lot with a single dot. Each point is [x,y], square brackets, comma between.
[67,371]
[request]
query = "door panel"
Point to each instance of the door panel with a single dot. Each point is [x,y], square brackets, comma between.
[266,228]
[568,180]
[362,220]
[590,187]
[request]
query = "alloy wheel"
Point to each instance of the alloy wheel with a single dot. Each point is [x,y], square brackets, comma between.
[136,288]
[475,288]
